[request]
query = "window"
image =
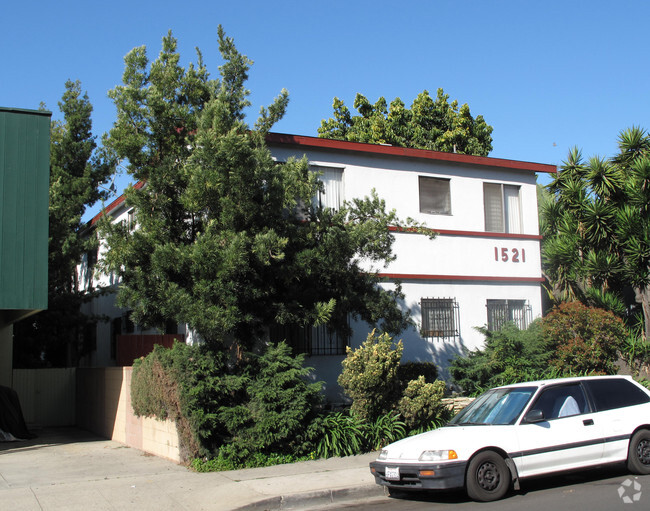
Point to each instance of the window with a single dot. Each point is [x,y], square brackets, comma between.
[502,208]
[317,340]
[501,312]
[435,198]
[116,330]
[562,401]
[609,394]
[440,318]
[332,194]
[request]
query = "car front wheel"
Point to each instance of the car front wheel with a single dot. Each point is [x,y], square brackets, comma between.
[638,455]
[488,477]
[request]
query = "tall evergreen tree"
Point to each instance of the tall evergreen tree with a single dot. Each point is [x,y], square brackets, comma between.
[77,169]
[429,124]
[596,230]
[227,240]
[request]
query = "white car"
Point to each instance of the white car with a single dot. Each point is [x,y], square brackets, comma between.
[524,430]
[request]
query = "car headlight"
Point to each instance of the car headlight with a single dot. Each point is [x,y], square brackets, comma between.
[383,455]
[438,455]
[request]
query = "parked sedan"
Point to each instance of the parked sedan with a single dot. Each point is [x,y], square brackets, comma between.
[524,430]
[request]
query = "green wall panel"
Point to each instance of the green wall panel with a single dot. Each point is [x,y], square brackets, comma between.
[24,184]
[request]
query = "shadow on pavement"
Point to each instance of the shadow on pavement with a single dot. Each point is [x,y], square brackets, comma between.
[49,436]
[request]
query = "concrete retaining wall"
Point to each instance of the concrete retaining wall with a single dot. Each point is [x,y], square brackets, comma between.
[104,407]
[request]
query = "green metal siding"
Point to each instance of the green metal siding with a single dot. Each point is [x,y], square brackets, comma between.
[24,197]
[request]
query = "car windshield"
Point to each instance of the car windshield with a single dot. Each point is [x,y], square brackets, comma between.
[496,406]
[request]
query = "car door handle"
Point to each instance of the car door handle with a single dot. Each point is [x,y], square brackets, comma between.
[588,422]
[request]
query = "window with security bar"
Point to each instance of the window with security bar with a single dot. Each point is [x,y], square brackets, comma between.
[313,341]
[440,318]
[500,312]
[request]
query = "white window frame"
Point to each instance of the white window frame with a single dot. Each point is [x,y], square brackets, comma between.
[333,194]
[502,208]
[435,195]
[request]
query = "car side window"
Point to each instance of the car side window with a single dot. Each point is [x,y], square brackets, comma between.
[611,393]
[561,401]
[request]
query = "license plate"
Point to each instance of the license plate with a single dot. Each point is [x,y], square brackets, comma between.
[392,474]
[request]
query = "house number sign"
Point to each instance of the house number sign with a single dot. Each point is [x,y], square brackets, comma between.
[513,255]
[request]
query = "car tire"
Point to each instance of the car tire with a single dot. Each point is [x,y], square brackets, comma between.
[638,454]
[488,477]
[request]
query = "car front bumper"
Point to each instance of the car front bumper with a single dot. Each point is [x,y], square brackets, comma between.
[419,477]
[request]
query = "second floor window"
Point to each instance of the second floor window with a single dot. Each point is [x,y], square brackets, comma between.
[332,195]
[502,208]
[435,198]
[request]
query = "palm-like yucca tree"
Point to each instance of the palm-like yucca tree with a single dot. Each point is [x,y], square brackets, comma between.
[595,219]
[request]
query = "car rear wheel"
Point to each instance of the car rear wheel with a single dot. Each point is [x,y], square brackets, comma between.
[488,477]
[638,455]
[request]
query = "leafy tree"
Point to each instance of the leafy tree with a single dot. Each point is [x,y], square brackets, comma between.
[596,231]
[77,171]
[429,124]
[228,240]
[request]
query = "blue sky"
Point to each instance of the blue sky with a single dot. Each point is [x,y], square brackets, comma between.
[546,75]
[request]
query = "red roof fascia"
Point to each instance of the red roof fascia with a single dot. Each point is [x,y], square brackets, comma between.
[114,204]
[359,147]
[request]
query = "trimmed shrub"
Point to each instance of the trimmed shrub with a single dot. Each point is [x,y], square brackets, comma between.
[189,385]
[583,339]
[409,371]
[421,406]
[370,376]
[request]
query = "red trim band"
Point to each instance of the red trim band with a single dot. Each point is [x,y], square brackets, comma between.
[478,234]
[415,276]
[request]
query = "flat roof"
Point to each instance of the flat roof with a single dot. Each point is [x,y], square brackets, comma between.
[405,152]
[302,141]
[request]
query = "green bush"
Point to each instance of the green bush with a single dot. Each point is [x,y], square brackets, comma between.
[421,406]
[409,371]
[584,339]
[509,355]
[339,434]
[189,385]
[280,404]
[230,412]
[370,376]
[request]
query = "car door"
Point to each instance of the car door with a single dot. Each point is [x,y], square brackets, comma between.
[566,434]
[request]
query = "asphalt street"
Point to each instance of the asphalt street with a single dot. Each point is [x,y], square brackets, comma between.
[604,489]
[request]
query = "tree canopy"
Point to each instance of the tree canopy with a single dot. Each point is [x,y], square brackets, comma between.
[596,231]
[228,240]
[429,124]
[77,170]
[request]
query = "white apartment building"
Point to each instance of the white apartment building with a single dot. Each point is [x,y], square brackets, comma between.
[483,268]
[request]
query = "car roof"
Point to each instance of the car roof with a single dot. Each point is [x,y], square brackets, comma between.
[571,379]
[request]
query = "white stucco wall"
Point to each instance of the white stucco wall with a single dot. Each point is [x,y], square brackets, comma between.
[464,262]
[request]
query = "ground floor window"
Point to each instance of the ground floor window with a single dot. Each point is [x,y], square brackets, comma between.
[440,318]
[500,312]
[315,340]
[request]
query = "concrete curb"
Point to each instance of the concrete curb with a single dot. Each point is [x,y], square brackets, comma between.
[314,499]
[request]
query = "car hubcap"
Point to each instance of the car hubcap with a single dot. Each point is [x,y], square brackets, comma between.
[643,451]
[488,476]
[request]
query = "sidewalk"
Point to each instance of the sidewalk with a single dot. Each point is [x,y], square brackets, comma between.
[69,469]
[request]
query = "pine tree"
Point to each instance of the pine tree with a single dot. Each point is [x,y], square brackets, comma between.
[77,171]
[228,241]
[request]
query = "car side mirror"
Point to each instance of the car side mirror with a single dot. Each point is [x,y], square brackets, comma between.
[534,416]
